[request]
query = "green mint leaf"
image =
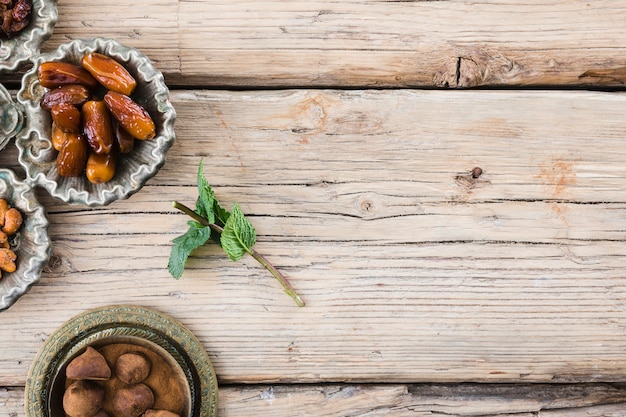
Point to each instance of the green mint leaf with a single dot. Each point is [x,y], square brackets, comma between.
[206,198]
[196,236]
[238,236]
[221,215]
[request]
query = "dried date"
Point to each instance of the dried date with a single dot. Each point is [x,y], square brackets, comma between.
[109,73]
[130,115]
[72,157]
[14,16]
[97,126]
[75,94]
[53,74]
[109,120]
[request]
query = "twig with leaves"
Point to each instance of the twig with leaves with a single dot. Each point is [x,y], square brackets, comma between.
[231,230]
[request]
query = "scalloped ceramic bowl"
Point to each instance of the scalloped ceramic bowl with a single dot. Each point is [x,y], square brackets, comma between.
[16,51]
[117,329]
[31,241]
[38,157]
[11,117]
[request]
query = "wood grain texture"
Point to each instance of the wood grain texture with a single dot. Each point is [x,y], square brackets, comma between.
[595,400]
[412,270]
[364,43]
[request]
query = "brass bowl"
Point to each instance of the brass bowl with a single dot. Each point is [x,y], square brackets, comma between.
[34,144]
[111,326]
[32,244]
[16,51]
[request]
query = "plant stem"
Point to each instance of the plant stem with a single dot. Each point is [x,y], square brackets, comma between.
[289,290]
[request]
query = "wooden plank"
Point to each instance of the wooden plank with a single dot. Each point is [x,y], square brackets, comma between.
[412,270]
[590,400]
[364,43]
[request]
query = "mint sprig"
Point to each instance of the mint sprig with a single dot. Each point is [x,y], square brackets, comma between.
[231,230]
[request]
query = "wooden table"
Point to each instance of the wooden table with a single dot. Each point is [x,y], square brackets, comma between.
[348,132]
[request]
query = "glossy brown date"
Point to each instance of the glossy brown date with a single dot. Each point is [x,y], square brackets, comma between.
[15,16]
[75,94]
[58,137]
[66,117]
[97,126]
[101,167]
[130,115]
[109,73]
[72,157]
[54,74]
[124,141]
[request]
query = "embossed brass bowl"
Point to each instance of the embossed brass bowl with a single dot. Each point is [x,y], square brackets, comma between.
[34,144]
[109,328]
[16,51]
[31,243]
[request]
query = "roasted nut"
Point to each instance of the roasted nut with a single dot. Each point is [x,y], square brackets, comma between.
[53,74]
[12,221]
[89,365]
[58,137]
[101,167]
[75,94]
[66,117]
[4,206]
[131,116]
[101,413]
[72,157]
[4,241]
[109,73]
[132,367]
[124,140]
[97,126]
[83,399]
[7,260]
[132,400]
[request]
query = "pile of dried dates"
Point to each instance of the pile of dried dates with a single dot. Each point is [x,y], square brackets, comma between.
[94,119]
[14,16]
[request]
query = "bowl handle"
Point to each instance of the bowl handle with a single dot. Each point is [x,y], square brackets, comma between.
[11,117]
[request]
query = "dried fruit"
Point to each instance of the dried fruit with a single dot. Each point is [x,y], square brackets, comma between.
[7,260]
[124,140]
[75,94]
[53,74]
[14,16]
[131,116]
[101,167]
[58,137]
[72,157]
[89,365]
[109,73]
[97,126]
[12,221]
[66,117]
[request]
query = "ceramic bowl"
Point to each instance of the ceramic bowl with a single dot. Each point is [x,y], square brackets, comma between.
[31,243]
[115,329]
[21,48]
[11,117]
[38,157]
